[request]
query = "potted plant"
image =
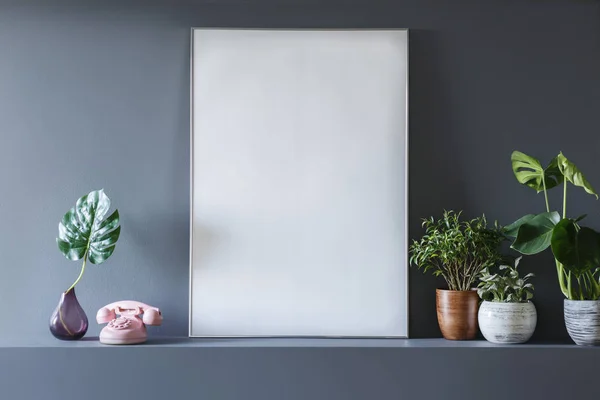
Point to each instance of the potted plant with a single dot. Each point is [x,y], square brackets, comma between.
[84,233]
[506,314]
[457,251]
[576,248]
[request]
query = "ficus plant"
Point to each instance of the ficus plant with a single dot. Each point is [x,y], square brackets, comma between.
[85,234]
[576,248]
[505,285]
[457,250]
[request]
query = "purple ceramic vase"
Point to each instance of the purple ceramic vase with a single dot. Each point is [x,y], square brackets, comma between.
[68,321]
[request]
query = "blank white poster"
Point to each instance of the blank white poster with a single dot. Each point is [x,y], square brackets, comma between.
[299,165]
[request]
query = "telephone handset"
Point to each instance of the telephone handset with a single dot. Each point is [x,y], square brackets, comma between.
[128,327]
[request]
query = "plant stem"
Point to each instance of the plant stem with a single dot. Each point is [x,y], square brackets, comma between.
[561,280]
[80,274]
[595,285]
[565,200]
[567,291]
[545,194]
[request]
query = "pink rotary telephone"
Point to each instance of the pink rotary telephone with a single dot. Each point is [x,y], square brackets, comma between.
[128,328]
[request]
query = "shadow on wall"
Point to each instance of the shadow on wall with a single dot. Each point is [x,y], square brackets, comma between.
[434,183]
[165,264]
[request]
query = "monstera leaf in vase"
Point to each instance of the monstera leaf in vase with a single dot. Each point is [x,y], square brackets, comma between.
[84,233]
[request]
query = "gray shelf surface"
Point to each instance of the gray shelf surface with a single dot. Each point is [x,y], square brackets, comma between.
[183,342]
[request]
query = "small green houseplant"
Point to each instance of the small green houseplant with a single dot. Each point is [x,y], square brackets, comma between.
[506,314]
[506,285]
[457,250]
[83,234]
[576,248]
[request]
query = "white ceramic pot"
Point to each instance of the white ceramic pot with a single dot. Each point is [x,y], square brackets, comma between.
[582,319]
[507,322]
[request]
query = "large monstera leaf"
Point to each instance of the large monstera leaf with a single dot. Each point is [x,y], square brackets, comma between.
[529,171]
[574,175]
[534,234]
[577,248]
[84,232]
[512,230]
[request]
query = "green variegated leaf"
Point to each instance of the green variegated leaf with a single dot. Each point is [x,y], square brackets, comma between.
[83,231]
[107,225]
[98,256]
[73,251]
[505,286]
[529,295]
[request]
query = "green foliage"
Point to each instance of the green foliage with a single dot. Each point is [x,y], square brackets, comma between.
[84,233]
[513,229]
[529,172]
[576,249]
[505,286]
[534,235]
[456,250]
[572,174]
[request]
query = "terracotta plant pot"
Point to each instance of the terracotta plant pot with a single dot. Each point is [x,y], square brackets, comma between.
[457,313]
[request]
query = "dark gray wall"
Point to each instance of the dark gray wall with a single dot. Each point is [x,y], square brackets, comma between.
[96,94]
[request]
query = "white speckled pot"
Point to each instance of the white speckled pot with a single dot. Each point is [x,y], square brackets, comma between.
[507,322]
[582,319]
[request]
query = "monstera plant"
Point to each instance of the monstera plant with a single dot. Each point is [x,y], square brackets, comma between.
[84,233]
[576,248]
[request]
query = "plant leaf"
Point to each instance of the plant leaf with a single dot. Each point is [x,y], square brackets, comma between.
[535,235]
[108,224]
[577,249]
[73,251]
[529,171]
[512,229]
[572,174]
[83,229]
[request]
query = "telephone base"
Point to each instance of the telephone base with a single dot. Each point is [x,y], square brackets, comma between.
[124,323]
[118,341]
